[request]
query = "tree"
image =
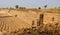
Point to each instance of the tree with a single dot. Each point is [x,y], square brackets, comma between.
[45,6]
[22,8]
[17,6]
[59,7]
[39,7]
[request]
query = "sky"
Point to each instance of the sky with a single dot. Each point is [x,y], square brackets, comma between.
[29,3]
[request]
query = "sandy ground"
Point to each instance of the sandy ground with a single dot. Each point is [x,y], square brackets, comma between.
[25,17]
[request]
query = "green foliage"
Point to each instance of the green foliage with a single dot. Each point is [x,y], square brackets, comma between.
[17,6]
[45,6]
[39,7]
[55,8]
[22,8]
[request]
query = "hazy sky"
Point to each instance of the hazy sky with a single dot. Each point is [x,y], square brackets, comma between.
[29,3]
